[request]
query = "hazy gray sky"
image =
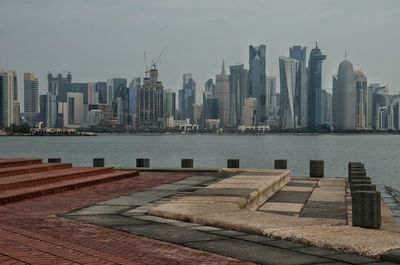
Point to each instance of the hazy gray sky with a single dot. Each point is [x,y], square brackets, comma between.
[99,39]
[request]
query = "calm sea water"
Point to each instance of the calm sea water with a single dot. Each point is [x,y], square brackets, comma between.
[380,153]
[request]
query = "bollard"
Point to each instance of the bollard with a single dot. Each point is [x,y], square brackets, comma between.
[280,164]
[362,187]
[142,162]
[98,162]
[357,173]
[54,160]
[366,209]
[233,163]
[316,168]
[187,163]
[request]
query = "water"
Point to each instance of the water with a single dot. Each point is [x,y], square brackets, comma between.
[380,153]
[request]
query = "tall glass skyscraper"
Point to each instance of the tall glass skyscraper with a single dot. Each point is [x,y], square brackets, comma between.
[187,97]
[315,88]
[257,80]
[238,86]
[299,53]
[31,98]
[288,73]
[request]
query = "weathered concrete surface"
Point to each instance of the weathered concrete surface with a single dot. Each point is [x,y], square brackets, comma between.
[307,210]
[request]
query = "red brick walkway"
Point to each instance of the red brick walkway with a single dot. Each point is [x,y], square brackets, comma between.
[31,232]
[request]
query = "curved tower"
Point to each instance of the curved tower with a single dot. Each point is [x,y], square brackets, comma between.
[345,97]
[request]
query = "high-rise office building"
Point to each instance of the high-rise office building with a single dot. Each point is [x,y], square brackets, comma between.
[209,88]
[169,103]
[315,88]
[58,84]
[223,96]
[150,102]
[93,95]
[270,93]
[101,89]
[299,53]
[238,91]
[334,95]
[73,110]
[380,99]
[326,109]
[345,97]
[7,97]
[249,111]
[31,98]
[132,95]
[288,73]
[48,110]
[117,88]
[361,99]
[17,113]
[187,97]
[257,80]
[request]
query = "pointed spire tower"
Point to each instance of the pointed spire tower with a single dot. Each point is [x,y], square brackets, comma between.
[223,67]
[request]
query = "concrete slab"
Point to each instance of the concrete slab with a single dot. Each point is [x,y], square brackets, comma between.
[324,209]
[297,188]
[284,244]
[130,200]
[353,259]
[169,233]
[256,238]
[100,209]
[316,251]
[171,187]
[299,197]
[109,220]
[154,192]
[261,254]
[281,207]
[233,192]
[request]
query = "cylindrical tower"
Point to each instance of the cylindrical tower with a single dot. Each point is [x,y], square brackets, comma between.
[345,97]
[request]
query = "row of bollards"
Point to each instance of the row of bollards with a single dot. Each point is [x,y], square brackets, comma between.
[366,200]
[316,166]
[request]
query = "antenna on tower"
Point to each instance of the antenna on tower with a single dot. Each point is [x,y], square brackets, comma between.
[146,67]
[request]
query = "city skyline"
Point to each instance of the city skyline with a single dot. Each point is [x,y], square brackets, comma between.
[92,58]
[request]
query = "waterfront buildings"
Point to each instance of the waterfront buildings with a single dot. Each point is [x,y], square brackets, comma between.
[288,72]
[345,86]
[299,53]
[270,105]
[31,98]
[169,104]
[249,111]
[223,96]
[257,80]
[132,95]
[361,99]
[315,88]
[8,84]
[238,90]
[187,97]
[150,102]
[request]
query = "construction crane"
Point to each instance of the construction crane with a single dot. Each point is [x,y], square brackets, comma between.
[146,67]
[157,61]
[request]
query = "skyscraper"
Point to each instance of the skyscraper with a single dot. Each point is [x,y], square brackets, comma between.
[299,53]
[223,96]
[257,79]
[288,72]
[150,102]
[270,94]
[209,88]
[117,88]
[7,97]
[238,90]
[345,97]
[187,97]
[31,98]
[169,103]
[334,95]
[361,99]
[132,95]
[315,88]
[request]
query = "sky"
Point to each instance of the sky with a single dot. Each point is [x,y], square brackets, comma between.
[100,39]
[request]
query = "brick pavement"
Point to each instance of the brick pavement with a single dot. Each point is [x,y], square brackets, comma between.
[33,231]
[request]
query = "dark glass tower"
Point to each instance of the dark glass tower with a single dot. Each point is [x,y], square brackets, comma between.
[315,119]
[257,80]
[301,94]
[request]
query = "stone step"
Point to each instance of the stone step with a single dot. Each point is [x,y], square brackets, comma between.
[14,162]
[39,178]
[9,196]
[19,170]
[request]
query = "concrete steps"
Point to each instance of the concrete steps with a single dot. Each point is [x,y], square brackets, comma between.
[39,178]
[25,169]
[14,195]
[22,179]
[4,163]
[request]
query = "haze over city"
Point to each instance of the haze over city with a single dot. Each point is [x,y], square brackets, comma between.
[96,40]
